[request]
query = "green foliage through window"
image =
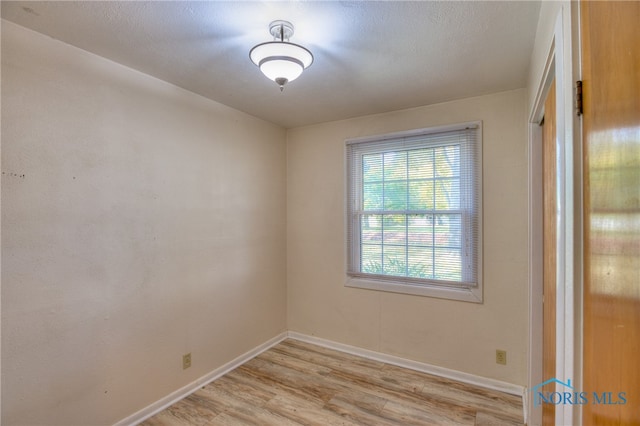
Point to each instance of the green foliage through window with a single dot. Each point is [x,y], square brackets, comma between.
[411,221]
[414,212]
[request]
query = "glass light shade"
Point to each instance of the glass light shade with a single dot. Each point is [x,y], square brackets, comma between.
[281,59]
[281,68]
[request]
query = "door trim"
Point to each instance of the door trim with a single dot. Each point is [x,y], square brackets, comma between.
[559,66]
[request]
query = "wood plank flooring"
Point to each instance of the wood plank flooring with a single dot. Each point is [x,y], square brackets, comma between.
[297,383]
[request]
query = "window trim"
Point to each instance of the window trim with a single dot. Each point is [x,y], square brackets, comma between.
[404,285]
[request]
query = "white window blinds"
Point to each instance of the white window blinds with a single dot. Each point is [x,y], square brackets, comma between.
[414,206]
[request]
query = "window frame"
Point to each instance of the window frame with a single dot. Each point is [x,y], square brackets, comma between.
[464,291]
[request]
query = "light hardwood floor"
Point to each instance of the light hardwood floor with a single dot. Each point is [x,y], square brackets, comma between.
[297,383]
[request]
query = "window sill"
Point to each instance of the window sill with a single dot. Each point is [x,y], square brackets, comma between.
[473,295]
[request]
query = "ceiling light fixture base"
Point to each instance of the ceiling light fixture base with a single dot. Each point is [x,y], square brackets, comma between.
[281,30]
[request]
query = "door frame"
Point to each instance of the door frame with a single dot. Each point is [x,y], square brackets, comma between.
[559,65]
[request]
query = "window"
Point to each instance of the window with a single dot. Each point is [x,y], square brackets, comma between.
[414,212]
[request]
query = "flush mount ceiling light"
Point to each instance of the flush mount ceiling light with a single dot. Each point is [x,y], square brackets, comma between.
[280,60]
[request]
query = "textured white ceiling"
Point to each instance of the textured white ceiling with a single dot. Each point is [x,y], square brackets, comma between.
[370,57]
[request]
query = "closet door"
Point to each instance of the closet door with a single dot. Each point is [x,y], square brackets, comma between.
[549,225]
[611,135]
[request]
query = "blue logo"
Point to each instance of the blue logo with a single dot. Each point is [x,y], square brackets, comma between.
[565,394]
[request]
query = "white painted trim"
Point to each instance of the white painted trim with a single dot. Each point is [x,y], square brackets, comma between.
[460,376]
[565,320]
[467,292]
[558,65]
[463,294]
[560,219]
[187,390]
[534,414]
[525,406]
[416,132]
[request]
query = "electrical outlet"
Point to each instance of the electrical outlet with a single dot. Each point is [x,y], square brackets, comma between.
[501,357]
[186,361]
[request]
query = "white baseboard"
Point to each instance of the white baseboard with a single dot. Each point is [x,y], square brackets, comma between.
[187,390]
[413,365]
[525,405]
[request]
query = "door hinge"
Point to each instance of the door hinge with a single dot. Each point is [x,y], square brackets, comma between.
[579,97]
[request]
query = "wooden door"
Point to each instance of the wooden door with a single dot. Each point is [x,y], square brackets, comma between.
[611,136]
[549,249]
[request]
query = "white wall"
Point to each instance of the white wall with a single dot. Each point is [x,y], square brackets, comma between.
[452,334]
[139,222]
